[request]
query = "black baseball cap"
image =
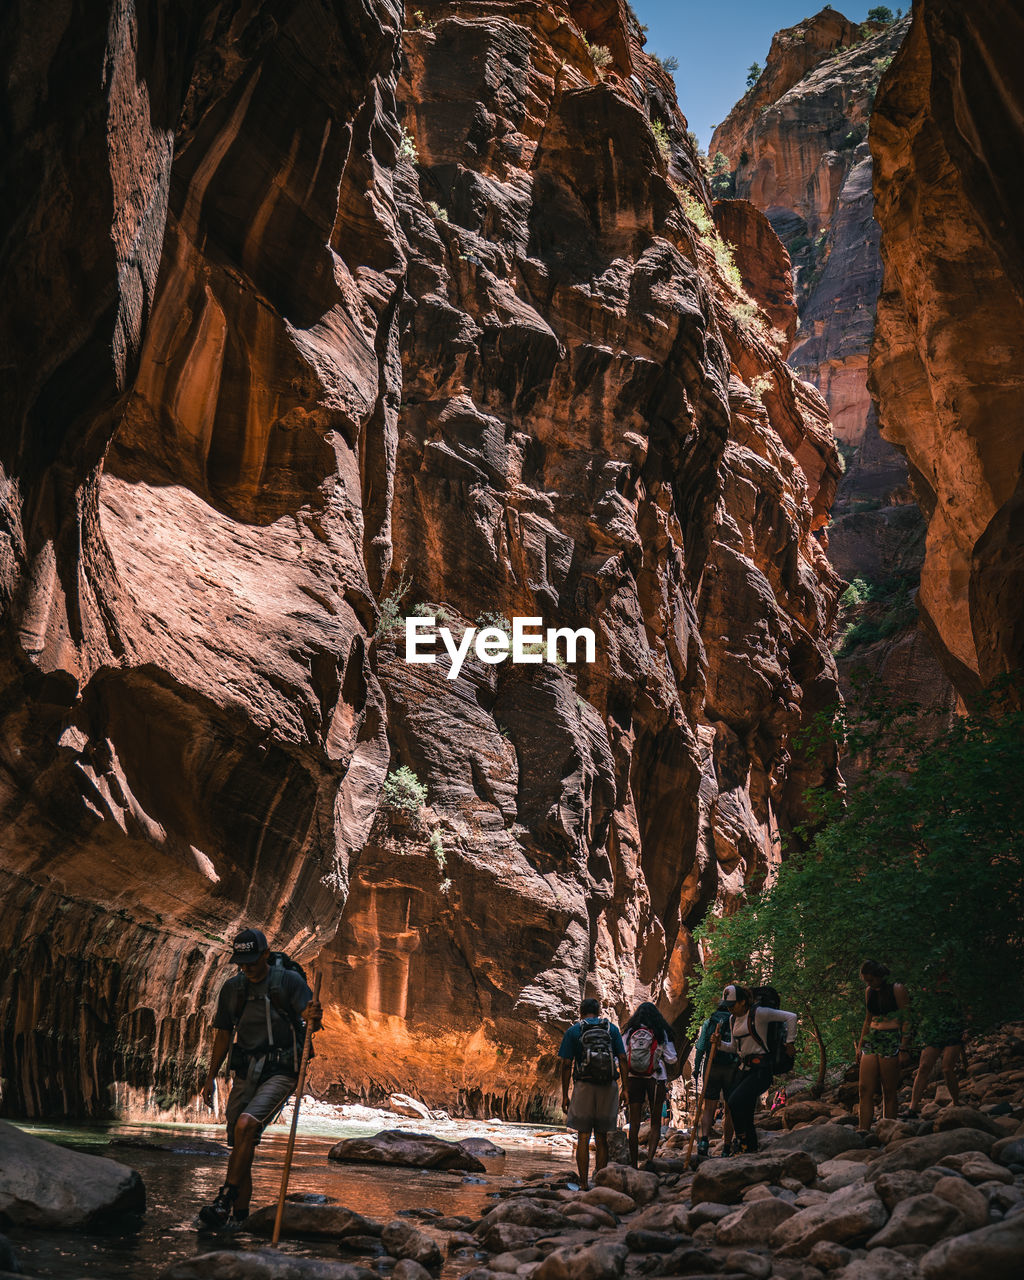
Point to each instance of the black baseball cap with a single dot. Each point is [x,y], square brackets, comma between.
[248,946]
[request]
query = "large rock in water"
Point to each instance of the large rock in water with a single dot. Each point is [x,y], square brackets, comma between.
[261,1264]
[44,1185]
[415,1150]
[314,1221]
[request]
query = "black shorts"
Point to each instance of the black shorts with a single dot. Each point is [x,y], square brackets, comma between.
[647,1089]
[721,1080]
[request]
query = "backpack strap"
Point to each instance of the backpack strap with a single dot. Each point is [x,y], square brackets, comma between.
[277,997]
[752,1024]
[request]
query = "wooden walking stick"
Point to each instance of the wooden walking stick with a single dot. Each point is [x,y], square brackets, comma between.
[716,1037]
[295,1119]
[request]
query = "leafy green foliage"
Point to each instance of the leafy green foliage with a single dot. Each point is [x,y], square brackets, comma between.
[669,64]
[661,137]
[436,843]
[890,608]
[403,792]
[390,619]
[754,74]
[920,866]
[721,178]
[407,145]
[881,13]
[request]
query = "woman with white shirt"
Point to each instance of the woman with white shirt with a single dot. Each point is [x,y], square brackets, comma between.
[749,1041]
[649,1049]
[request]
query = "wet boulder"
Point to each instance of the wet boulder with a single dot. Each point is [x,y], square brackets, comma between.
[592,1262]
[403,1240]
[313,1222]
[46,1186]
[414,1150]
[261,1264]
[482,1148]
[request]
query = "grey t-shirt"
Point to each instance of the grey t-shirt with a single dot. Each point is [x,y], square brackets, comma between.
[252,1026]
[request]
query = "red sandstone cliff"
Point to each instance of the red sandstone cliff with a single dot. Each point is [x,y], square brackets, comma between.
[796,144]
[949,345]
[315,318]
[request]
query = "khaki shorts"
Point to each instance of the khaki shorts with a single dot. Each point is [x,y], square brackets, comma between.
[262,1101]
[593,1107]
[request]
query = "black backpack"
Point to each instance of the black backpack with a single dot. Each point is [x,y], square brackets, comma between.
[775,1048]
[595,1058]
[279,963]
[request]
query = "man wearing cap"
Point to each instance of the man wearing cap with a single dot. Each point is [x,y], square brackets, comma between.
[259,1019]
[720,1073]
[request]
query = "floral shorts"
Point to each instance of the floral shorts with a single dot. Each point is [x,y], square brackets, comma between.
[886,1044]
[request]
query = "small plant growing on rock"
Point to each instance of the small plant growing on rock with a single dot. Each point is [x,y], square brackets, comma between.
[669,64]
[440,214]
[760,386]
[695,212]
[403,792]
[724,257]
[661,138]
[437,848]
[407,145]
[390,619]
[754,74]
[600,55]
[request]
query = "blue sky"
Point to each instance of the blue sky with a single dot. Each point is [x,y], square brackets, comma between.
[717,40]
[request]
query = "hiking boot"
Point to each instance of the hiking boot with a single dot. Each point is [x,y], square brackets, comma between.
[218,1213]
[703,1147]
[726,1149]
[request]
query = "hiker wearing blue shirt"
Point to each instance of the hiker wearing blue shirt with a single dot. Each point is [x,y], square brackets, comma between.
[593,1055]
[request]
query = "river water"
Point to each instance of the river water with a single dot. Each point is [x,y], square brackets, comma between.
[179,1181]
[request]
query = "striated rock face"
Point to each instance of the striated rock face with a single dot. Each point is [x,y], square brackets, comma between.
[369,316]
[947,359]
[797,146]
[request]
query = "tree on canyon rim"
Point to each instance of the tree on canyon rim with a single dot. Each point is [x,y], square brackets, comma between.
[920,866]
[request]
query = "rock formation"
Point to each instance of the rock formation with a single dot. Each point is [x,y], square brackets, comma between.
[946,364]
[320,318]
[796,146]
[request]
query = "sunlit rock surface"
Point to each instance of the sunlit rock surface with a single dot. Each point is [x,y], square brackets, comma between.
[355,315]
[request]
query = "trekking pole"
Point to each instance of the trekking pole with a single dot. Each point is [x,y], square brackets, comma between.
[295,1119]
[700,1097]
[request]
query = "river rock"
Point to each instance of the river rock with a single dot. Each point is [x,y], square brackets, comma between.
[754,1222]
[822,1141]
[688,1260]
[654,1241]
[833,1174]
[903,1183]
[723,1180]
[590,1216]
[409,1269]
[640,1186]
[981,1169]
[846,1215]
[671,1217]
[919,1220]
[829,1256]
[597,1261]
[500,1237]
[919,1153]
[261,1264]
[608,1198]
[1009,1150]
[313,1221]
[993,1253]
[522,1211]
[482,1148]
[880,1264]
[403,1105]
[966,1118]
[741,1262]
[46,1186]
[414,1150]
[403,1240]
[972,1203]
[804,1111]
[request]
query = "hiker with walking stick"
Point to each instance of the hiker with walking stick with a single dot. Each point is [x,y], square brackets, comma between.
[719,1073]
[260,1024]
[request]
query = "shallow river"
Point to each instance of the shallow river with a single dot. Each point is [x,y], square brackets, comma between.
[178,1182]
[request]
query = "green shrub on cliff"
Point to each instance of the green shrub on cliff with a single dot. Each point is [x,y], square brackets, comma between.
[403,792]
[920,866]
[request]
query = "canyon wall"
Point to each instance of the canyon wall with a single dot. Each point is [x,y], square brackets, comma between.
[316,318]
[948,355]
[796,146]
